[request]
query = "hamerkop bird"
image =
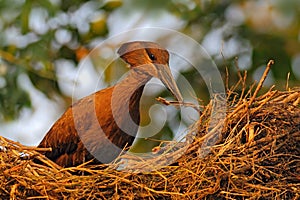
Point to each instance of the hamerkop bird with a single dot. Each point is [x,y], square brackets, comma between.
[99,126]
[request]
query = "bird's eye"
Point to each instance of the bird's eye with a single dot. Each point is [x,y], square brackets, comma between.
[152,57]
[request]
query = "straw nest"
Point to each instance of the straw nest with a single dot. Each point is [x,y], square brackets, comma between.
[255,156]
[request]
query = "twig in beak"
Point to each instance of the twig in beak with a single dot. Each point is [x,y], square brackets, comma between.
[177,104]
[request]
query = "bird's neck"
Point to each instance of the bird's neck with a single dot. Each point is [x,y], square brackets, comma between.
[131,87]
[136,78]
[125,101]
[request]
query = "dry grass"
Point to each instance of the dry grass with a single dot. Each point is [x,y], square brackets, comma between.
[257,156]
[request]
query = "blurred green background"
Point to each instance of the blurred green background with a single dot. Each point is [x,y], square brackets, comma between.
[43,42]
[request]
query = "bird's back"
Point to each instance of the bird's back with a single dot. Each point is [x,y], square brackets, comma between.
[84,128]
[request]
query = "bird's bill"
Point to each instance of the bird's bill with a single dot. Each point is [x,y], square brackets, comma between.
[167,79]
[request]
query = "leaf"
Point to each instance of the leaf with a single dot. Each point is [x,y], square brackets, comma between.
[25,12]
[111,5]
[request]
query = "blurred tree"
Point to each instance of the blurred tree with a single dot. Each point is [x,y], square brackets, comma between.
[35,34]
[269,30]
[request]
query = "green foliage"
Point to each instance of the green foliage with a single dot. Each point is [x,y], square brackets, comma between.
[274,35]
[11,102]
[35,53]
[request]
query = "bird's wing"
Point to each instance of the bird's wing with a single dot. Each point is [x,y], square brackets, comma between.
[79,123]
[63,138]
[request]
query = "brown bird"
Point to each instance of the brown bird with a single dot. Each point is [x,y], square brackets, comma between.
[100,125]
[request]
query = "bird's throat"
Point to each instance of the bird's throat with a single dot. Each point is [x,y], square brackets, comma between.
[125,103]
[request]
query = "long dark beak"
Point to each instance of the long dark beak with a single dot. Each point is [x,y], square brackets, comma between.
[165,75]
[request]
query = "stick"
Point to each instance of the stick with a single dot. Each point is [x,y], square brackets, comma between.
[178,103]
[261,81]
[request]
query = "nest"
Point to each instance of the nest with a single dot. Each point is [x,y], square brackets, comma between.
[255,156]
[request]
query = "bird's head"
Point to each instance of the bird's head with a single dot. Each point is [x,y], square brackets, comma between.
[150,59]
